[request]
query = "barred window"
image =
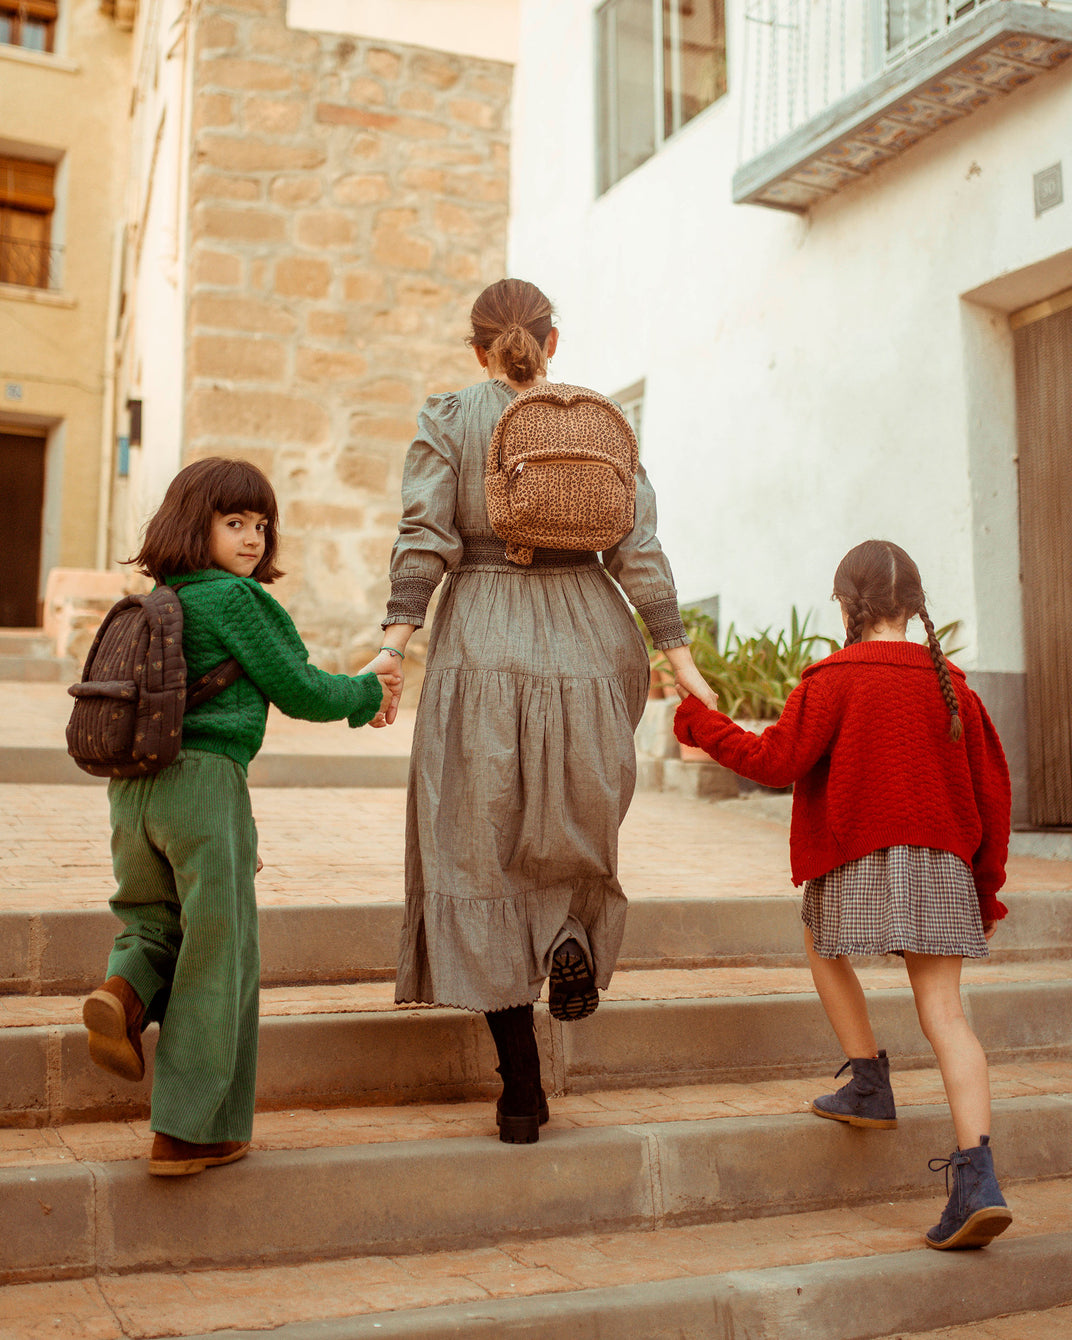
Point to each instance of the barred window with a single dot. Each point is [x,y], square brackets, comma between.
[659,63]
[28,23]
[26,206]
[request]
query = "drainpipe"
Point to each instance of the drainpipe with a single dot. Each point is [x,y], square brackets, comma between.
[104,498]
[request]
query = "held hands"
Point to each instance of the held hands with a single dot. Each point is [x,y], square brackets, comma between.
[388,670]
[989,927]
[688,680]
[390,686]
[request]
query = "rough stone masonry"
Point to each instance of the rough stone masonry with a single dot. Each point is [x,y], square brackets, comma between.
[348,201]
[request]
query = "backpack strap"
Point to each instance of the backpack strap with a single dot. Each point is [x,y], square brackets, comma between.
[213,681]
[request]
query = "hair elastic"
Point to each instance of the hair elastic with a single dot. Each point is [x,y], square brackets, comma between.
[394,652]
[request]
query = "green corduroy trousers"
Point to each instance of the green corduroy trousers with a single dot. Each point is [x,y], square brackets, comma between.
[184,851]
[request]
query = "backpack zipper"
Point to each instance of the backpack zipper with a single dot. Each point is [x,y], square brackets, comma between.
[559,460]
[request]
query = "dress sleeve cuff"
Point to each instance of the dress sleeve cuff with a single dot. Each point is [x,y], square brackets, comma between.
[409,600]
[663,620]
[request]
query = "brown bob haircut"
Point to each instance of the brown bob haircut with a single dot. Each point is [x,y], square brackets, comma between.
[177,536]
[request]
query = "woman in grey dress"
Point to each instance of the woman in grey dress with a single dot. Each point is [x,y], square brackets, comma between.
[523,763]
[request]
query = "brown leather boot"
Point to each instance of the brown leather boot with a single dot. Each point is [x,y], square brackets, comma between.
[172,1157]
[113,1014]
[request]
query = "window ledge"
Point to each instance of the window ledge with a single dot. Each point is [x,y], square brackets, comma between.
[45,297]
[996,50]
[44,60]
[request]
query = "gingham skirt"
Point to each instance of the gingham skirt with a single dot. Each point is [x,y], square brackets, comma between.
[898,898]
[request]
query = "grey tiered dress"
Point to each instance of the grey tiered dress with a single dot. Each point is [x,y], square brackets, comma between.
[523,763]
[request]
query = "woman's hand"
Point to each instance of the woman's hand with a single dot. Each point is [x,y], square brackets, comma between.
[687,679]
[387,667]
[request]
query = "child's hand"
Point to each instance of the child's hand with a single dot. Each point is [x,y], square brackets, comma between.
[989,927]
[387,668]
[390,687]
[260,864]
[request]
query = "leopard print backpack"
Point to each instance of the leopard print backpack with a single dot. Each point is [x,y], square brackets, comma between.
[561,472]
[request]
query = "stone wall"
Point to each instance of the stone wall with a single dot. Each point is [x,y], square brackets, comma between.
[348,200]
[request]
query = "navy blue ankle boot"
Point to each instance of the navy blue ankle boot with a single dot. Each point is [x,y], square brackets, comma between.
[867,1099]
[976,1210]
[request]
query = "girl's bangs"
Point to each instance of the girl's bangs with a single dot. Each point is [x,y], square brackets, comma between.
[242,488]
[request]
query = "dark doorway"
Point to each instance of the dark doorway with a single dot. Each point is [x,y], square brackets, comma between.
[22,497]
[1044,416]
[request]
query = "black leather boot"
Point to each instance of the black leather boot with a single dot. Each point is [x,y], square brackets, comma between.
[522,1109]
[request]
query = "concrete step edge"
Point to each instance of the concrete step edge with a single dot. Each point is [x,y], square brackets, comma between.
[56,952]
[50,765]
[912,1292]
[282,1206]
[399,1056]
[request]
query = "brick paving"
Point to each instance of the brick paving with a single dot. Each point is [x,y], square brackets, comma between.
[137,1306]
[345,846]
[320,1128]
[328,845]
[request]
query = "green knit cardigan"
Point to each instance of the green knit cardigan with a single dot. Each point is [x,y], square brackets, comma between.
[224,616]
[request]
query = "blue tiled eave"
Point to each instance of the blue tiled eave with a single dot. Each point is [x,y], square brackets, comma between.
[993,52]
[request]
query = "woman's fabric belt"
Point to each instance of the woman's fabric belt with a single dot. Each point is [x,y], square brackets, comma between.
[486,551]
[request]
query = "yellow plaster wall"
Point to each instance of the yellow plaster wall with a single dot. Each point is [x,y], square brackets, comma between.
[73,106]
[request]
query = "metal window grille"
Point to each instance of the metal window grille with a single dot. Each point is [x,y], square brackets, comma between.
[29,264]
[802,55]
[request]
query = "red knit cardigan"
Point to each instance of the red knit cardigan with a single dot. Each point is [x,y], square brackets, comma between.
[865,738]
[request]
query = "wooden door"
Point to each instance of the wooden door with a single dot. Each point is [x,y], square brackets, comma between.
[22,496]
[1044,422]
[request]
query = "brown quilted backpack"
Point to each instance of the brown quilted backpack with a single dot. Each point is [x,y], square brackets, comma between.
[129,704]
[561,472]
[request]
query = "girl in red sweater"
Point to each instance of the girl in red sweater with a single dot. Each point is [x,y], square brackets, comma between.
[900,832]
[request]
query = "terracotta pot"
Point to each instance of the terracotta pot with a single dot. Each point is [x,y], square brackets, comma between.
[662,683]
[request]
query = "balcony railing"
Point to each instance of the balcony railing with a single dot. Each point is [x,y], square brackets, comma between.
[29,264]
[836,87]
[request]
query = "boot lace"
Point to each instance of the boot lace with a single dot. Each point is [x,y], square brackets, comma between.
[956,1159]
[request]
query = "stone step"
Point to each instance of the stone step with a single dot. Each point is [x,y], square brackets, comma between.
[37,669]
[25,642]
[64,951]
[408,1055]
[390,1197]
[664,1283]
[51,765]
[639,1284]
[320,1128]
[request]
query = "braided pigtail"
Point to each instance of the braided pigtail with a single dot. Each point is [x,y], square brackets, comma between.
[856,624]
[956,730]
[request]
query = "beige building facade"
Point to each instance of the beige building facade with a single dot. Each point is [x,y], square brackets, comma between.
[312,213]
[64,89]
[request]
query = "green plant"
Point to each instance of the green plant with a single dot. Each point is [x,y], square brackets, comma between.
[754,676]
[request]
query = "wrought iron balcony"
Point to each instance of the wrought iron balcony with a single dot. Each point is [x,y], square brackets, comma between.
[836,88]
[29,264]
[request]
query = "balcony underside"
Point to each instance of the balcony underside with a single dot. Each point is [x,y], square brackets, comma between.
[997,50]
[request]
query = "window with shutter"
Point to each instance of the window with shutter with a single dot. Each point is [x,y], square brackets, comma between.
[26,205]
[28,23]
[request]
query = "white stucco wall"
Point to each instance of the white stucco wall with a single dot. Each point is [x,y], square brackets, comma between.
[810,382]
[484,28]
[153,343]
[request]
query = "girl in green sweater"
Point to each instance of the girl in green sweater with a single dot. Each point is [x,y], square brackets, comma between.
[184,846]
